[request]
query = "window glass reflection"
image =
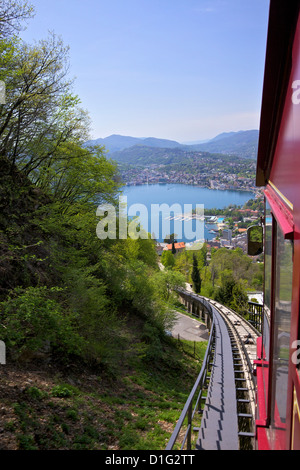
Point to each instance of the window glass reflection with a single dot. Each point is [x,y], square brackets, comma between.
[268,272]
[282,323]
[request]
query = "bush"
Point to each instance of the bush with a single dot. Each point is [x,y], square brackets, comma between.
[62,391]
[167,259]
[96,317]
[31,320]
[233,295]
[151,336]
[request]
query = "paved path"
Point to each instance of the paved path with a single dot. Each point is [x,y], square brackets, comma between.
[189,329]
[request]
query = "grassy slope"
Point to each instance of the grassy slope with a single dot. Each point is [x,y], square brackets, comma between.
[132,403]
[134,406]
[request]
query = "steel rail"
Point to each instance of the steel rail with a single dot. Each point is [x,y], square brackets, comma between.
[188,410]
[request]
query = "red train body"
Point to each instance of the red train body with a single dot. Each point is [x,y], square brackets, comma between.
[278,172]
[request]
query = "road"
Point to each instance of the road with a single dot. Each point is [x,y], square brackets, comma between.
[186,327]
[189,329]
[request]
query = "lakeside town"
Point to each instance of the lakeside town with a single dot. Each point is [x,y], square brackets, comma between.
[233,177]
[225,237]
[229,229]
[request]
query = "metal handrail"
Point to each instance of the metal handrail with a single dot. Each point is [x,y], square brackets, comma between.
[188,407]
[255,310]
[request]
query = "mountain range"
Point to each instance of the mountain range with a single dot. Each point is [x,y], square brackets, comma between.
[115,143]
[123,148]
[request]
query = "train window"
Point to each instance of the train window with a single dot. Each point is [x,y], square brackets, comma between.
[268,272]
[264,354]
[281,336]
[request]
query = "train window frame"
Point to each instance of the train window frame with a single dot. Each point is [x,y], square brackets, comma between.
[281,330]
[267,301]
[270,388]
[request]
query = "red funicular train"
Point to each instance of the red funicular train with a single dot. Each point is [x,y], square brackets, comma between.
[277,366]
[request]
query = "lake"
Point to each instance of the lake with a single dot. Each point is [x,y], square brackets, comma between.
[184,197]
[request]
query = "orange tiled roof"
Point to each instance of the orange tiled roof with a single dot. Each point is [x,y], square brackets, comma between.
[177,246]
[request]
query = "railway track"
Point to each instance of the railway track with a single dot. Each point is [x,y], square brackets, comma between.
[246,332]
[243,337]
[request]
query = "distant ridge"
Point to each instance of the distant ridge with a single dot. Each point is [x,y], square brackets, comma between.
[116,142]
[241,143]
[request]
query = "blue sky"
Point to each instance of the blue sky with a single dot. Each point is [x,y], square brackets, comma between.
[185,70]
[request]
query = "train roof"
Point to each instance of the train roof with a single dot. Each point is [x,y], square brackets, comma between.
[283,16]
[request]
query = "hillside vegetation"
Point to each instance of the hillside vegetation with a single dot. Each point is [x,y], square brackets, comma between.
[222,274]
[89,363]
[84,320]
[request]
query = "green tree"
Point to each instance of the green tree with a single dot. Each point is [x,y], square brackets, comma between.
[196,276]
[224,293]
[76,290]
[40,113]
[167,259]
[170,238]
[77,174]
[33,320]
[166,282]
[12,16]
[183,263]
[232,294]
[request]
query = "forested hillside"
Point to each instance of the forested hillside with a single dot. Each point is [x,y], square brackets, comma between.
[89,363]
[82,318]
[62,289]
[220,274]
